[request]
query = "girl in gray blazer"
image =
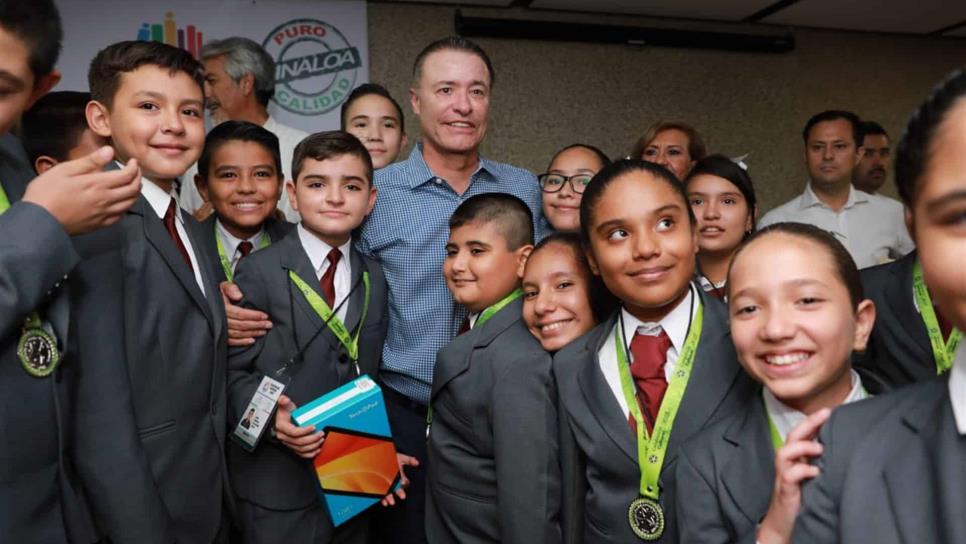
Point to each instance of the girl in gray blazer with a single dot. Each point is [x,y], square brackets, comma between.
[796,312]
[619,432]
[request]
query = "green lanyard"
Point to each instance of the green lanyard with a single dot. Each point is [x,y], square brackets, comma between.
[942,351]
[776,438]
[486,314]
[223,257]
[350,343]
[4,201]
[651,449]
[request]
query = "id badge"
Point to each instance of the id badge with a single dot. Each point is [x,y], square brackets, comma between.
[259,412]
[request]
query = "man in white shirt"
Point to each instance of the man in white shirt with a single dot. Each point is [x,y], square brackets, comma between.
[239,82]
[870,226]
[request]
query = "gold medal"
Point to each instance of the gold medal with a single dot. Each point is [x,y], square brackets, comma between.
[38,353]
[646,518]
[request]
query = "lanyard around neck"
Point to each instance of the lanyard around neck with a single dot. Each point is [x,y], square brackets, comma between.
[652,449]
[486,314]
[943,351]
[223,256]
[4,201]
[338,328]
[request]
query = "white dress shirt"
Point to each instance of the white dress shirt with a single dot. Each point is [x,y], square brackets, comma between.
[288,138]
[230,243]
[871,227]
[159,201]
[787,418]
[317,251]
[957,388]
[675,324]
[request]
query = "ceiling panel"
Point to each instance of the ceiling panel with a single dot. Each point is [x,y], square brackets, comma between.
[732,10]
[918,17]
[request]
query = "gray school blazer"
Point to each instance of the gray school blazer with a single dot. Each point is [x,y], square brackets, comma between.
[493,473]
[893,471]
[598,455]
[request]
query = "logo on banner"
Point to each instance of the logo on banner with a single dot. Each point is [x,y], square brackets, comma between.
[315,66]
[188,38]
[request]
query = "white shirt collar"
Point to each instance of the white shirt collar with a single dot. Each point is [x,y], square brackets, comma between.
[675,323]
[160,200]
[230,242]
[787,418]
[809,198]
[957,388]
[318,250]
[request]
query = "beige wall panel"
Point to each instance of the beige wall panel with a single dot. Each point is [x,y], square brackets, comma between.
[548,94]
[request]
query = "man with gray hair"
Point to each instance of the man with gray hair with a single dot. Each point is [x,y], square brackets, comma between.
[239,82]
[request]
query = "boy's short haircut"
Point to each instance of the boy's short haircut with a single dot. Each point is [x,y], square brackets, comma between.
[54,125]
[104,75]
[37,24]
[328,145]
[239,131]
[512,217]
[367,89]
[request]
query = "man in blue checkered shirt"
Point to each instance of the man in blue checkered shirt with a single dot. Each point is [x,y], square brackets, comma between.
[407,232]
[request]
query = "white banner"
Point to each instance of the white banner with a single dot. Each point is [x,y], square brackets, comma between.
[321,48]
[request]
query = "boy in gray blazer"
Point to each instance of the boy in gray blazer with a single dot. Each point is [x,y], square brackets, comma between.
[240,174]
[332,191]
[493,474]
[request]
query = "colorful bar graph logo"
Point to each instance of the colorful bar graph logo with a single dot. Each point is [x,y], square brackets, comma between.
[188,38]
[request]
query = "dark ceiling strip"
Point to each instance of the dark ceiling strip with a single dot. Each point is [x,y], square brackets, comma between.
[488,27]
[769,11]
[520,3]
[946,29]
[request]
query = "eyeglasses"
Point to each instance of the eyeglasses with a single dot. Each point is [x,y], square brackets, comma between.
[551,183]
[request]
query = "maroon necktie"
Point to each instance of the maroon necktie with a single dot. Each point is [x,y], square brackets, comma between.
[169,219]
[945,327]
[650,356]
[464,326]
[328,278]
[244,248]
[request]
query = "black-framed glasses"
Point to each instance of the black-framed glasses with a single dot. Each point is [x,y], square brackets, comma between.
[551,183]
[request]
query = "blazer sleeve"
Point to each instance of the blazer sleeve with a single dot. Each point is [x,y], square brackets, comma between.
[699,515]
[573,481]
[525,450]
[35,254]
[243,379]
[109,455]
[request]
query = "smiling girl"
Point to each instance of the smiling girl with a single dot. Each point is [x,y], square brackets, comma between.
[797,313]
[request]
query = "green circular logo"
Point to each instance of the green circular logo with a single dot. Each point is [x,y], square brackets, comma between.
[315,66]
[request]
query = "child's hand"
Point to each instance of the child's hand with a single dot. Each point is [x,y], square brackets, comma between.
[792,467]
[304,441]
[403,460]
[244,325]
[204,211]
[82,196]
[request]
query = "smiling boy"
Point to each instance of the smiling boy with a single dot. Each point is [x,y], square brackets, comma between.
[150,422]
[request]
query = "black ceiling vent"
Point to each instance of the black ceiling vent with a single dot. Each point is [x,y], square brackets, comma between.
[557,31]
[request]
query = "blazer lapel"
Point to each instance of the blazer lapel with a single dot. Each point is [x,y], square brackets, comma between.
[158,237]
[14,168]
[294,259]
[749,475]
[909,473]
[712,376]
[599,397]
[358,297]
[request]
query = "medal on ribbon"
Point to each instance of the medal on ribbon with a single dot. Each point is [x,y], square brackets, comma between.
[644,514]
[37,349]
